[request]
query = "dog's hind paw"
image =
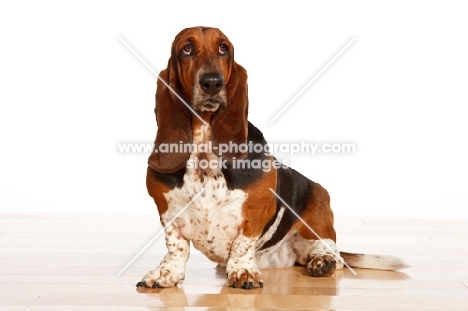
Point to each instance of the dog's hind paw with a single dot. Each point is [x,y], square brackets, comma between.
[321,266]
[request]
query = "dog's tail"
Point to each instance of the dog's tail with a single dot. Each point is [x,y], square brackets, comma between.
[380,262]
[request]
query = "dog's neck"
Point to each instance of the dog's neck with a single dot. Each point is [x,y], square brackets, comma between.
[202,131]
[204,161]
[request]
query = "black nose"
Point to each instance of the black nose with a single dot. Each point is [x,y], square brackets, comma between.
[211,83]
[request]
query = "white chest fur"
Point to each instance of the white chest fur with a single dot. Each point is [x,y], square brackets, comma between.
[212,220]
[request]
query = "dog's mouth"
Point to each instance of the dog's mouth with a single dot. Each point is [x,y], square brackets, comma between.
[211,103]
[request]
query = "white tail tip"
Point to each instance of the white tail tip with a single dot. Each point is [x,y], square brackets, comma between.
[380,262]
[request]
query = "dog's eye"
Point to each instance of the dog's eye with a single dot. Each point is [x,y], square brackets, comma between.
[187,50]
[223,49]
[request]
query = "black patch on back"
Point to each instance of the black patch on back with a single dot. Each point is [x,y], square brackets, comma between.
[296,190]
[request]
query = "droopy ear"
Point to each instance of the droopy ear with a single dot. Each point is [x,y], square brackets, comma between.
[230,124]
[174,126]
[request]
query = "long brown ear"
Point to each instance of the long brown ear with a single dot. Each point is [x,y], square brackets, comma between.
[174,126]
[230,125]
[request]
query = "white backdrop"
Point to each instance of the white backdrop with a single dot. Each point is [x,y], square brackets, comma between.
[71,92]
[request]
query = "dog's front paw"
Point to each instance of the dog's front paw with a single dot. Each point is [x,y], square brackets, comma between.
[161,277]
[320,266]
[244,276]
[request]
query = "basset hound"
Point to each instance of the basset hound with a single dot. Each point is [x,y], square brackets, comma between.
[244,217]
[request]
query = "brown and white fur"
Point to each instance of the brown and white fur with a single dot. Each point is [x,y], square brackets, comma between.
[236,220]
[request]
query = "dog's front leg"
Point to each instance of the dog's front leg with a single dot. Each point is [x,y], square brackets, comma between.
[171,270]
[241,268]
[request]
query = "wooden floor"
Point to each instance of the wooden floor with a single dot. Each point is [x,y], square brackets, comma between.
[71,262]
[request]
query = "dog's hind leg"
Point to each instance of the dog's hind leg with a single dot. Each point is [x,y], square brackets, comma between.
[314,240]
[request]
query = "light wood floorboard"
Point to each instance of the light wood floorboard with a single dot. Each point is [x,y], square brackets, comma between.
[71,262]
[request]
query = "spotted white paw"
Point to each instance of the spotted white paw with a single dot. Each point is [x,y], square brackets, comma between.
[161,277]
[245,276]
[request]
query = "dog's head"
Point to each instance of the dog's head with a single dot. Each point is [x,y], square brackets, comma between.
[202,77]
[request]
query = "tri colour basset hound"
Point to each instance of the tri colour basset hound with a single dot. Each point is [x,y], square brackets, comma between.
[238,216]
